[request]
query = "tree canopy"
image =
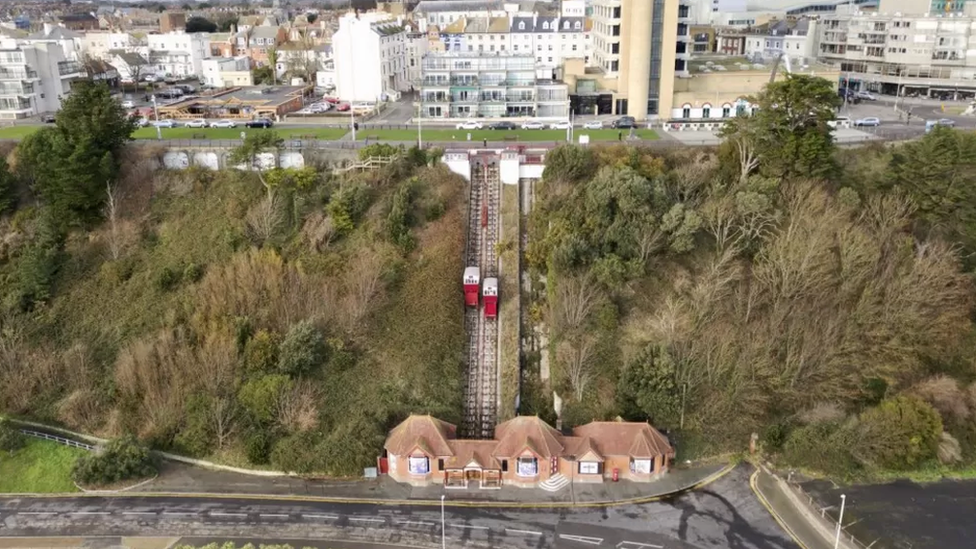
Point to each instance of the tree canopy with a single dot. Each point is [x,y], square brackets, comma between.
[200,24]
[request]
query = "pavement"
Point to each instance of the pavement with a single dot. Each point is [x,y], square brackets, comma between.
[722,514]
[178,478]
[794,514]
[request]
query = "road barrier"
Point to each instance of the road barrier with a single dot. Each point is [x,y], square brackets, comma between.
[60,440]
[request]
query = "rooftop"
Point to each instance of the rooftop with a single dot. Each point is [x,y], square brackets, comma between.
[255,96]
[723,63]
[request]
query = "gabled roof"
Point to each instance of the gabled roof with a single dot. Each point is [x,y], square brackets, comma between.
[456,27]
[546,24]
[581,447]
[618,438]
[472,451]
[569,24]
[516,434]
[131,59]
[425,431]
[57,33]
[477,25]
[525,23]
[498,24]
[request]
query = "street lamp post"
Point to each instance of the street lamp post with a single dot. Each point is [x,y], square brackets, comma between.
[840,520]
[159,131]
[420,109]
[443,530]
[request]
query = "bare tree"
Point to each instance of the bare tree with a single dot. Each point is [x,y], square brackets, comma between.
[265,218]
[222,415]
[297,409]
[576,298]
[363,283]
[576,356]
[112,213]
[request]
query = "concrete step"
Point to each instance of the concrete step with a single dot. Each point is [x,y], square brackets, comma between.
[555,483]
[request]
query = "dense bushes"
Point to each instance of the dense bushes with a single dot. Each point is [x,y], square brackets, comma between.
[10,438]
[121,459]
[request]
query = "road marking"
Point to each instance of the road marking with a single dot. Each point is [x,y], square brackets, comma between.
[651,545]
[407,522]
[219,514]
[138,512]
[90,513]
[367,519]
[179,513]
[36,513]
[333,517]
[582,539]
[526,532]
[273,515]
[469,526]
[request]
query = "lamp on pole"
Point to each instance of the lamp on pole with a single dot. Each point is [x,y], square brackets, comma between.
[443,531]
[420,109]
[159,132]
[840,520]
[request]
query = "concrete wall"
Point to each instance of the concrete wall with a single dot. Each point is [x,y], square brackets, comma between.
[508,171]
[458,163]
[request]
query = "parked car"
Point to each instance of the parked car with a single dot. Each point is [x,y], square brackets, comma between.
[331,100]
[150,78]
[363,108]
[142,122]
[319,107]
[931,124]
[223,124]
[469,125]
[533,125]
[594,125]
[343,107]
[624,123]
[840,122]
[502,126]
[196,123]
[48,119]
[564,125]
[128,104]
[259,123]
[164,123]
[867,96]
[869,121]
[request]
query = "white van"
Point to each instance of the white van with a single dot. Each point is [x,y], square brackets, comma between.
[840,122]
[362,108]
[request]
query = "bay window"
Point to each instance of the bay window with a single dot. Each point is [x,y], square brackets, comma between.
[589,467]
[418,465]
[527,467]
[642,466]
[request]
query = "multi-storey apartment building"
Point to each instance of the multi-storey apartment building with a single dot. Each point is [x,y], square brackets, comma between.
[100,45]
[899,53]
[373,56]
[33,77]
[489,85]
[639,46]
[796,38]
[178,54]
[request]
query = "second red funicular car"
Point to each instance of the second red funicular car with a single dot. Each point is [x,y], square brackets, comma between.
[490,295]
[472,286]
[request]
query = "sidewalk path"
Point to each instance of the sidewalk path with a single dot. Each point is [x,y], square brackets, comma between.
[178,478]
[808,529]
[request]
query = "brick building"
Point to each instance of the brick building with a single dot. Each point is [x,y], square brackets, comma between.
[525,452]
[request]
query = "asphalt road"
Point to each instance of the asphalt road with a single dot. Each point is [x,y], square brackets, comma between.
[721,515]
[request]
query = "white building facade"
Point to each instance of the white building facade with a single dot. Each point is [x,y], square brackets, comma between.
[99,45]
[221,72]
[178,54]
[370,53]
[34,77]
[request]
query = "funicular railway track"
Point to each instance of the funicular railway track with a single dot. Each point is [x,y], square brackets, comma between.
[481,389]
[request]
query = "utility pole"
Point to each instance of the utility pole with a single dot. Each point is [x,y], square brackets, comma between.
[444,531]
[840,519]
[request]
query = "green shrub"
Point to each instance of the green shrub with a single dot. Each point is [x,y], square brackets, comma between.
[121,459]
[302,349]
[377,149]
[261,353]
[297,454]
[167,279]
[11,439]
[900,433]
[822,447]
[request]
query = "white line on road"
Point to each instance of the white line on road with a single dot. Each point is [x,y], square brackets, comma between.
[273,515]
[219,514]
[420,522]
[469,526]
[36,513]
[138,512]
[333,517]
[651,545]
[582,539]
[526,532]
[367,519]
[90,513]
[179,513]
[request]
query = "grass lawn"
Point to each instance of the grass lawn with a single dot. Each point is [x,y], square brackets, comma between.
[496,136]
[235,133]
[17,132]
[508,317]
[38,467]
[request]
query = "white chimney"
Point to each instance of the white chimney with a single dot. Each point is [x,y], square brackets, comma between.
[48,28]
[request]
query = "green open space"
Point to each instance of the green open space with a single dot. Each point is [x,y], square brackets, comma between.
[497,136]
[17,132]
[39,467]
[235,133]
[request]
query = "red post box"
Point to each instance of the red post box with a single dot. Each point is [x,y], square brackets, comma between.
[616,474]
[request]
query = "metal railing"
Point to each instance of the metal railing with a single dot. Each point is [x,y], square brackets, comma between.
[60,440]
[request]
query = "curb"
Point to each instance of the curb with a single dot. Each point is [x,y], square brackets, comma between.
[402,502]
[765,503]
[109,492]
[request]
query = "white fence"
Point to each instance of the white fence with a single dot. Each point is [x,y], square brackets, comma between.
[59,440]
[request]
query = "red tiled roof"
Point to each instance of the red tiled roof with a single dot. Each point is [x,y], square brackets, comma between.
[467,451]
[516,434]
[617,438]
[429,433]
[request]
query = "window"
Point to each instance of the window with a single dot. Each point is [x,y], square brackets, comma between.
[515,47]
[545,25]
[504,465]
[640,466]
[707,112]
[565,25]
[589,467]
[492,47]
[574,47]
[577,25]
[550,47]
[527,467]
[419,465]
[725,112]
[521,25]
[440,464]
[550,59]
[685,112]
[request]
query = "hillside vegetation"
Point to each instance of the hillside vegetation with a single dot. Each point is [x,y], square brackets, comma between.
[285,318]
[819,298]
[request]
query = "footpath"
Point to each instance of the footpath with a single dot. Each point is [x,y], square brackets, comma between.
[795,515]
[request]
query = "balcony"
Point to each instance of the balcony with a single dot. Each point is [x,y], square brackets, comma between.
[17,74]
[69,68]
